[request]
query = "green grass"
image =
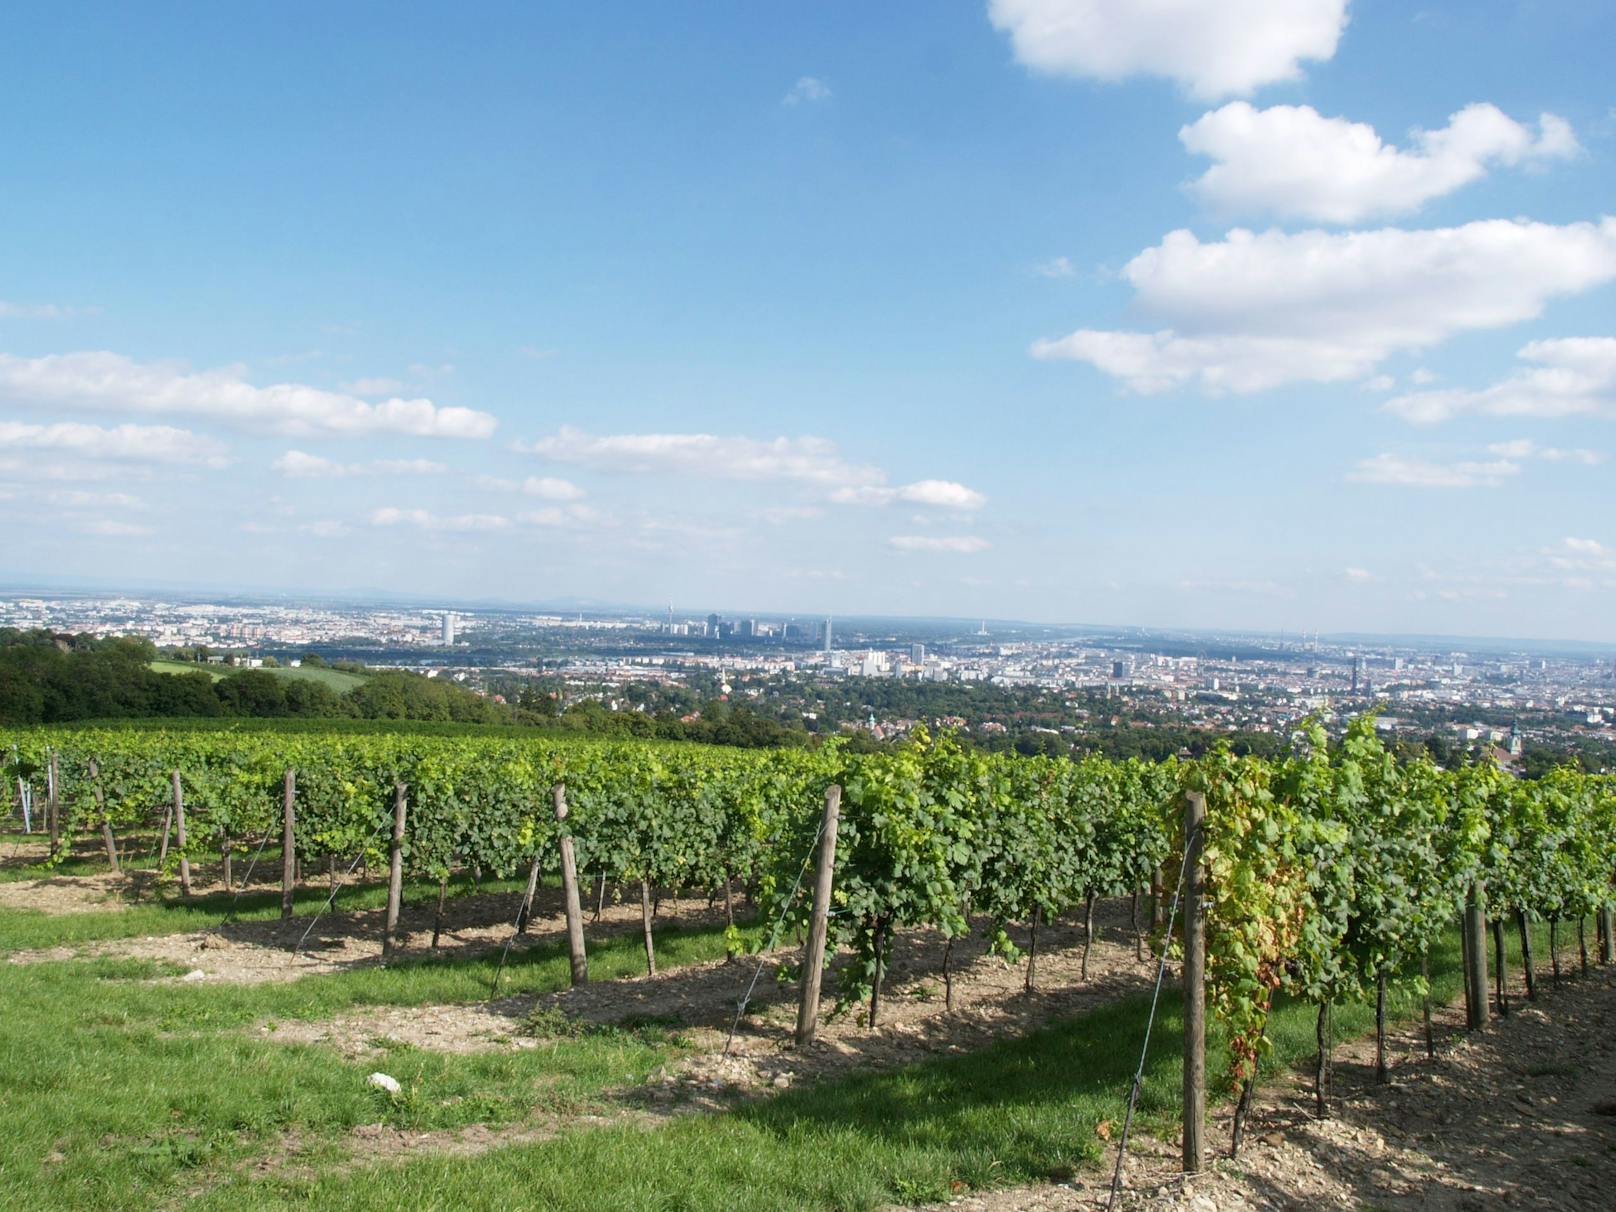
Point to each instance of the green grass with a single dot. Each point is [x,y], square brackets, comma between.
[122,1093]
[337,679]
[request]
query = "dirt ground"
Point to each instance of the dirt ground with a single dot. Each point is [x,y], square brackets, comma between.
[1520,1116]
[700,1001]
[250,952]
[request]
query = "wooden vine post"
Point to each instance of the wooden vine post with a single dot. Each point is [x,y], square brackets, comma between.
[1475,957]
[288,845]
[1194,986]
[179,836]
[569,892]
[107,839]
[813,960]
[1607,936]
[395,871]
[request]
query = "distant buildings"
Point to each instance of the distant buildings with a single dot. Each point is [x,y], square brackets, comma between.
[448,636]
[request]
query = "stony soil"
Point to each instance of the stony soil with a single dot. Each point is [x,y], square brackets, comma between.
[1521,1116]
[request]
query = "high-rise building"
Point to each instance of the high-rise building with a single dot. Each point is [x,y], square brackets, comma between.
[917,654]
[1119,670]
[827,633]
[1357,672]
[712,625]
[448,628]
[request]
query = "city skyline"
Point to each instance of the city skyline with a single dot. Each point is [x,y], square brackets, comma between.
[1016,310]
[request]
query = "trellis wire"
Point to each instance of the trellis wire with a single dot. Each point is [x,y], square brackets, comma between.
[298,950]
[774,937]
[1144,1051]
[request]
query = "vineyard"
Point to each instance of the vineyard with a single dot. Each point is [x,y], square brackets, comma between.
[1329,876]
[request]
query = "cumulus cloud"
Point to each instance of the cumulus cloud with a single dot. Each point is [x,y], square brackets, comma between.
[1211,50]
[1290,160]
[132,443]
[1259,310]
[392,515]
[1420,473]
[941,494]
[301,465]
[109,382]
[967,544]
[1570,376]
[806,91]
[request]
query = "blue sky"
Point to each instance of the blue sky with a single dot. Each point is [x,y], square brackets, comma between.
[1234,314]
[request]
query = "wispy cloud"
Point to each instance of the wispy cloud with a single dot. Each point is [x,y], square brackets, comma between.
[132,443]
[967,544]
[806,91]
[1421,473]
[109,382]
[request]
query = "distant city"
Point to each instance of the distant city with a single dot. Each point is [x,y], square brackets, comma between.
[1485,692]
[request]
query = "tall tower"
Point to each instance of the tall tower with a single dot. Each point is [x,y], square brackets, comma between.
[827,633]
[1357,671]
[448,628]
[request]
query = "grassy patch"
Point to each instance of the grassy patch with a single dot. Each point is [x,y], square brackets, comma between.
[337,679]
[123,1093]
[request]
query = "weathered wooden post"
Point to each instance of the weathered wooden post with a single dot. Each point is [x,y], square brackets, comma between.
[107,839]
[395,871]
[1475,957]
[1194,986]
[813,960]
[179,836]
[1607,936]
[288,845]
[569,892]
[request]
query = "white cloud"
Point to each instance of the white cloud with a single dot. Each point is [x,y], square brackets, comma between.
[549,488]
[1211,49]
[133,443]
[1290,160]
[1572,376]
[392,515]
[1358,576]
[78,498]
[968,544]
[1420,473]
[1259,310]
[112,528]
[806,460]
[816,462]
[300,465]
[42,311]
[1380,383]
[109,382]
[941,494]
[1581,555]
[1060,267]
[806,91]
[562,515]
[1525,448]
